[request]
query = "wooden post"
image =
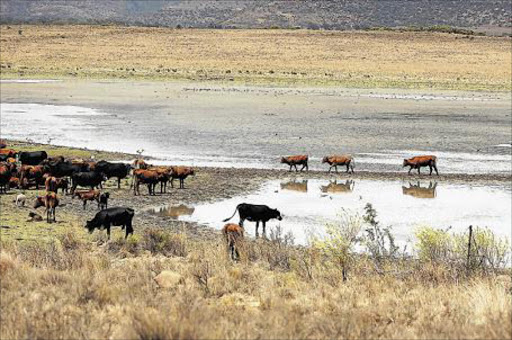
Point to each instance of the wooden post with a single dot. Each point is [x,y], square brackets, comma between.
[469,246]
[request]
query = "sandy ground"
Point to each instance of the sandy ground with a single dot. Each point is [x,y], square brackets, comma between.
[203,124]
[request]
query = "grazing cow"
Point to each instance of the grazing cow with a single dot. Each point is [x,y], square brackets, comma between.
[91,195]
[5,176]
[234,235]
[14,183]
[334,187]
[419,191]
[181,173]
[421,161]
[51,203]
[334,161]
[104,200]
[255,213]
[117,216]
[301,186]
[90,179]
[20,200]
[119,170]
[293,161]
[32,158]
[32,172]
[148,177]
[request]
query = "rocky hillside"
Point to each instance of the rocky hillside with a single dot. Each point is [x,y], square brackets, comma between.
[341,14]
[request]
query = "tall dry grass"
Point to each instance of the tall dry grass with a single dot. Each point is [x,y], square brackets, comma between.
[72,288]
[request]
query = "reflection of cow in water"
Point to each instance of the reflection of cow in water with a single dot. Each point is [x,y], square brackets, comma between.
[419,191]
[176,211]
[334,187]
[301,186]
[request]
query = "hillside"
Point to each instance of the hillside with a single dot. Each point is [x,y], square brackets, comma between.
[353,14]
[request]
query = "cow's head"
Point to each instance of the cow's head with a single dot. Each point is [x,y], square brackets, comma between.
[325,159]
[284,160]
[191,172]
[406,162]
[90,225]
[277,214]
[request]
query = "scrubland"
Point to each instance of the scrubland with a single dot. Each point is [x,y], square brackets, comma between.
[342,58]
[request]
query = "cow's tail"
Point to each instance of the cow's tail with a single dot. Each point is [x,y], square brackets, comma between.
[236,209]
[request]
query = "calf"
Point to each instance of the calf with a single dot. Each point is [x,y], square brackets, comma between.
[91,195]
[421,161]
[334,161]
[234,235]
[255,213]
[181,173]
[104,200]
[117,216]
[90,179]
[293,161]
[50,201]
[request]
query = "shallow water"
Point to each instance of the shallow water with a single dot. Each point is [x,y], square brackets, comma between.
[173,141]
[308,205]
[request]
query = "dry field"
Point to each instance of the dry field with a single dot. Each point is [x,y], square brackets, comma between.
[354,59]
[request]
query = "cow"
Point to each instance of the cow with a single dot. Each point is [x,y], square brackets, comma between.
[293,161]
[51,203]
[421,161]
[117,216]
[104,200]
[234,235]
[419,191]
[14,183]
[119,170]
[301,186]
[164,174]
[140,164]
[32,172]
[90,179]
[32,158]
[148,177]
[91,195]
[63,168]
[255,213]
[334,161]
[181,173]
[50,184]
[5,176]
[334,187]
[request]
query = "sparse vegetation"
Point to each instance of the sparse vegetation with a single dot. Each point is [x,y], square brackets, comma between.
[355,59]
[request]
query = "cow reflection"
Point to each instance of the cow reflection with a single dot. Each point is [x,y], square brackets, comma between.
[301,186]
[418,191]
[335,188]
[175,211]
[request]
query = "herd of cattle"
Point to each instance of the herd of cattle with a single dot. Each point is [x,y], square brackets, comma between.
[23,170]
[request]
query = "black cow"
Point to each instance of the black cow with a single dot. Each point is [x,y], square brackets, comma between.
[63,168]
[104,200]
[117,216]
[119,170]
[255,213]
[32,158]
[90,179]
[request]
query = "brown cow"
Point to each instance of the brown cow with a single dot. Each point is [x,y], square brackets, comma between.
[234,235]
[334,161]
[140,164]
[419,191]
[89,195]
[148,177]
[14,183]
[34,172]
[181,173]
[50,201]
[164,176]
[293,161]
[56,183]
[5,176]
[421,161]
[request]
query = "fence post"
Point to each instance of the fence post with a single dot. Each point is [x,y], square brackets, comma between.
[469,246]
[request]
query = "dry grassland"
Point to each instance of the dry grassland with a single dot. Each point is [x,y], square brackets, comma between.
[354,59]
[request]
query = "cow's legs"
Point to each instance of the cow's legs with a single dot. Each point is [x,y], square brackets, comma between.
[296,169]
[85,202]
[119,182]
[264,229]
[419,172]
[108,231]
[430,166]
[172,184]
[241,222]
[435,168]
[410,169]
[257,226]
[182,183]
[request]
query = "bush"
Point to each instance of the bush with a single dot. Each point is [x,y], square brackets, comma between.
[167,243]
[433,245]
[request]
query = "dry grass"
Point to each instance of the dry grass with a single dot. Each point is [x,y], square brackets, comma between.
[361,59]
[67,286]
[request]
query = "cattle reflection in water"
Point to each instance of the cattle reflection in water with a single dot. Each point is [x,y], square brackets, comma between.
[418,191]
[335,188]
[301,186]
[174,211]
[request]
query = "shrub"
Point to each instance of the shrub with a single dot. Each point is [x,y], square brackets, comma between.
[433,245]
[160,241]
